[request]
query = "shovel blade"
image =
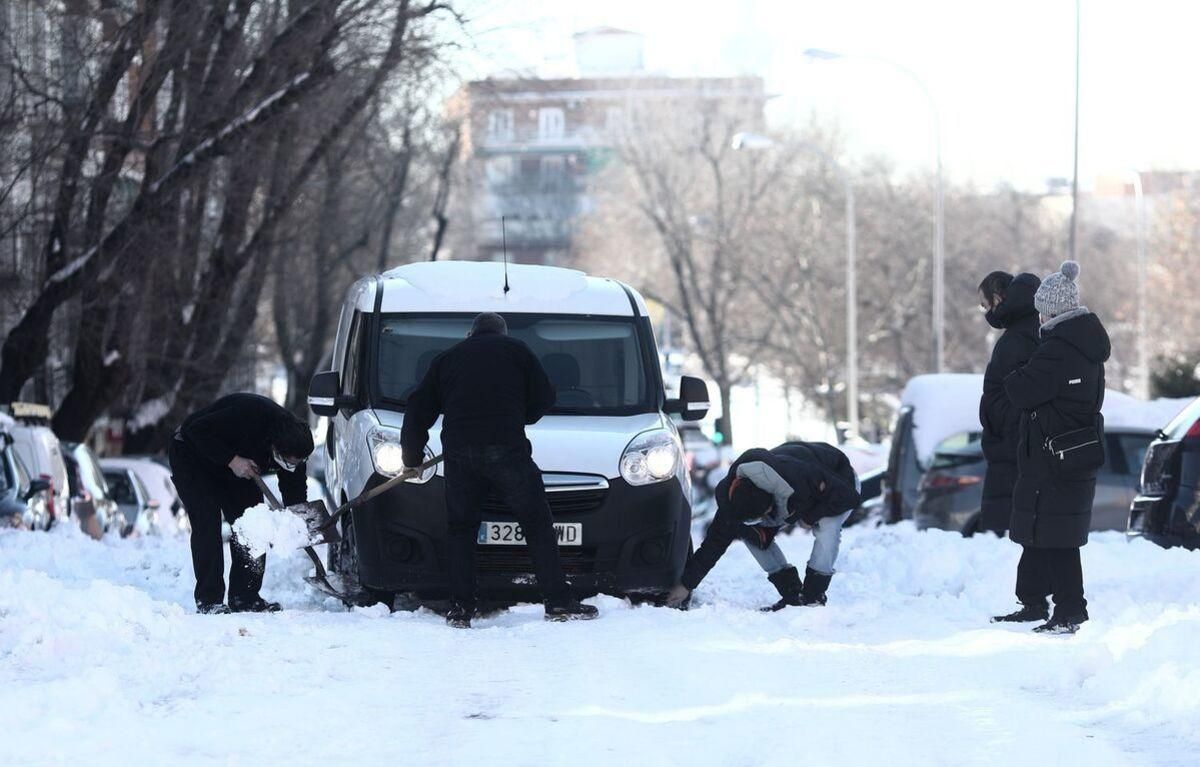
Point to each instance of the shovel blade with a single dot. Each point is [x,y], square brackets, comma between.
[316,517]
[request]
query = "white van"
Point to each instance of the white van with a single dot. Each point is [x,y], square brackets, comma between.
[611,458]
[41,453]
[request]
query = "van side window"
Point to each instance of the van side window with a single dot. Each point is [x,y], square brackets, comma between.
[352,364]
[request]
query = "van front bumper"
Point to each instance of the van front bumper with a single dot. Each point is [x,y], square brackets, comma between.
[635,541]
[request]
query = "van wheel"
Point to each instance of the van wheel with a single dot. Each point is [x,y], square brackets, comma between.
[343,560]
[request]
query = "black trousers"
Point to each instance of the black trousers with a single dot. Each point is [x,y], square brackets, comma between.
[1045,572]
[204,511]
[510,472]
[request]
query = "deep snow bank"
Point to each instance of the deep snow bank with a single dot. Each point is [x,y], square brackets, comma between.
[103,662]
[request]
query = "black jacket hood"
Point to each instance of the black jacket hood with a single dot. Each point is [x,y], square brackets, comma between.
[1086,333]
[1017,303]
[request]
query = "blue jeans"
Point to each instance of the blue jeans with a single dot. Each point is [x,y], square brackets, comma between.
[510,472]
[827,540]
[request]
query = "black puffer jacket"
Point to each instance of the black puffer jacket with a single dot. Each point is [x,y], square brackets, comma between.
[238,425]
[822,482]
[488,388]
[1000,419]
[1061,389]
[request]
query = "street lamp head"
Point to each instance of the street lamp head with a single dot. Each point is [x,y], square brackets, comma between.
[754,141]
[817,53]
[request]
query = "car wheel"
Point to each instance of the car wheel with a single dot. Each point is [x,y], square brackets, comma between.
[344,561]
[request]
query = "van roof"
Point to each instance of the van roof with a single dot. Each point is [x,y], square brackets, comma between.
[478,286]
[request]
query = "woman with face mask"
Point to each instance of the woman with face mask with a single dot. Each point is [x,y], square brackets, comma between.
[1008,303]
[1060,392]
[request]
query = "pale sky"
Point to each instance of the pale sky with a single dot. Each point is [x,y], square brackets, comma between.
[1001,71]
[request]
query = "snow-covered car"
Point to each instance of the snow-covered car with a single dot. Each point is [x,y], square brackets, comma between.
[23,499]
[136,505]
[91,500]
[932,408]
[951,492]
[1167,507]
[155,476]
[41,454]
[611,457]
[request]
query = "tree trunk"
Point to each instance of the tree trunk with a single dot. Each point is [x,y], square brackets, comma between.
[725,422]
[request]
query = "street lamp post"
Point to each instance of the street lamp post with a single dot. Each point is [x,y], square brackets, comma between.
[755,141]
[1139,201]
[939,231]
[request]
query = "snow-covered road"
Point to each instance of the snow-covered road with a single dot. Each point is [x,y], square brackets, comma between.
[103,662]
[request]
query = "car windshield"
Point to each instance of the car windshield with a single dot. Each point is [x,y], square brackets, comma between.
[595,363]
[121,487]
[1183,421]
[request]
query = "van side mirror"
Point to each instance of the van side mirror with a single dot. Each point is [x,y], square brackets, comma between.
[36,486]
[324,397]
[693,402]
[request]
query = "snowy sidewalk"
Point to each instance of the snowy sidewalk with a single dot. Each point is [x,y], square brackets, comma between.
[103,662]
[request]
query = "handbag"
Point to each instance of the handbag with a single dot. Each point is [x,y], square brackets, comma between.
[1077,451]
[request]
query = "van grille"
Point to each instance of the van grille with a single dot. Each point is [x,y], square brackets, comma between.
[515,560]
[565,502]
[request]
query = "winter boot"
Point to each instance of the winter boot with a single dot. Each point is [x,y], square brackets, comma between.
[1063,623]
[573,610]
[1027,614]
[214,608]
[255,604]
[459,617]
[787,583]
[815,586]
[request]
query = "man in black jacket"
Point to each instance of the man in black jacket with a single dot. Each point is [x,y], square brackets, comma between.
[1008,302]
[487,389]
[215,456]
[807,483]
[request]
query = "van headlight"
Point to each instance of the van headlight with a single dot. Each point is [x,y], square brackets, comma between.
[388,457]
[652,456]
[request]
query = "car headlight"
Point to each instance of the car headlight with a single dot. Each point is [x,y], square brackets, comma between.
[388,457]
[652,456]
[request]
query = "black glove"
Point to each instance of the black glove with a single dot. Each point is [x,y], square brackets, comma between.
[759,536]
[815,586]
[787,583]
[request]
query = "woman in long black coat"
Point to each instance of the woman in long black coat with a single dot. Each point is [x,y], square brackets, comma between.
[1060,391]
[1008,301]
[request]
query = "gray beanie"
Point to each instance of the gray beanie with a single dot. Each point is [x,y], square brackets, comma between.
[1058,294]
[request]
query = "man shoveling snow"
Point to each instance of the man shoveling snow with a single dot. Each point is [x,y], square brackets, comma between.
[215,457]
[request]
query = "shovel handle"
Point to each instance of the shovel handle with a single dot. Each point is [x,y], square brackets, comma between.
[272,501]
[378,490]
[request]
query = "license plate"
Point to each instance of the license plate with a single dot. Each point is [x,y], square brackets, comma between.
[511,534]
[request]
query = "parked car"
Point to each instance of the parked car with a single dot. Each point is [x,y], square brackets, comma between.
[41,454]
[932,409]
[871,490]
[952,490]
[1167,507]
[611,456]
[23,499]
[91,500]
[156,479]
[136,505]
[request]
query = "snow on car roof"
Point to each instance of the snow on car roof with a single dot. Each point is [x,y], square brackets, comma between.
[943,405]
[478,286]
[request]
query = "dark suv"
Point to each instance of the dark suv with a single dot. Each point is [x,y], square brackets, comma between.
[1167,508]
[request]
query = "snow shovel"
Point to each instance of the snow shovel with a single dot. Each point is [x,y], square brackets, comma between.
[314,514]
[331,523]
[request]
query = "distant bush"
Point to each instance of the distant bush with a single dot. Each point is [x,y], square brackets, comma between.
[1177,376]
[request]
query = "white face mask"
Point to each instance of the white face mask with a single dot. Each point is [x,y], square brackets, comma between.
[284,463]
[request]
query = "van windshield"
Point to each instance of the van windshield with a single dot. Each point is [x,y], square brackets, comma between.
[595,363]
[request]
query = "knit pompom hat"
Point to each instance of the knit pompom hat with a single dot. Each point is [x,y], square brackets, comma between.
[1058,293]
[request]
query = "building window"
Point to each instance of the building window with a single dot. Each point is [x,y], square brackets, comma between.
[499,170]
[554,172]
[550,123]
[614,121]
[500,125]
